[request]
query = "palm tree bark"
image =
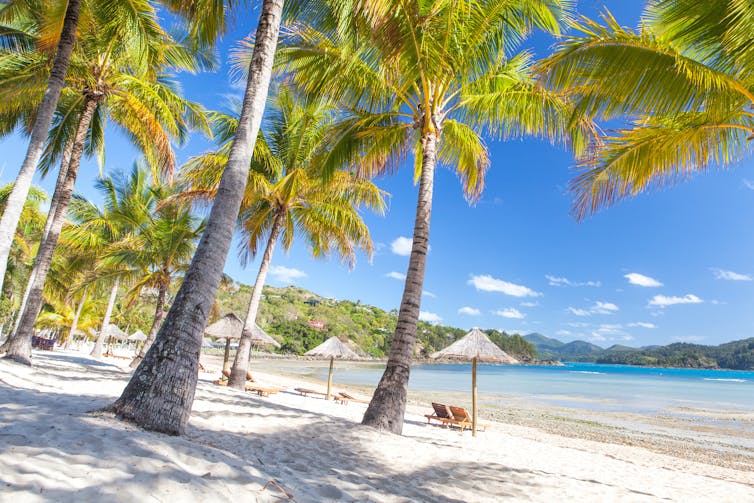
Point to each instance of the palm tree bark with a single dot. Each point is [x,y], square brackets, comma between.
[388,404]
[160,394]
[42,122]
[243,353]
[20,344]
[59,184]
[100,342]
[159,314]
[75,322]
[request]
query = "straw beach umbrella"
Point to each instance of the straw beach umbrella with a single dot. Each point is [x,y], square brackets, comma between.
[332,348]
[228,327]
[474,346]
[137,336]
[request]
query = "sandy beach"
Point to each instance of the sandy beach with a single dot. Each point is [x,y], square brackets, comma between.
[55,445]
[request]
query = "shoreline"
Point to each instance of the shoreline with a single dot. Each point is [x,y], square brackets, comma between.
[58,445]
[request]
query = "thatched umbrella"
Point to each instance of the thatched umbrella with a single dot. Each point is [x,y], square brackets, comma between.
[138,336]
[228,327]
[332,348]
[260,338]
[116,333]
[474,346]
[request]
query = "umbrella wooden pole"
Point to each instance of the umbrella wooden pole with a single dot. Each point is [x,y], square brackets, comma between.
[329,379]
[226,360]
[473,397]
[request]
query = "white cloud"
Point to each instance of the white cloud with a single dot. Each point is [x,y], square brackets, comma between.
[427,293]
[556,281]
[639,279]
[730,275]
[642,324]
[529,304]
[604,308]
[286,274]
[689,338]
[402,246]
[471,311]
[748,184]
[599,307]
[429,317]
[579,312]
[664,300]
[597,337]
[563,332]
[396,275]
[487,283]
[577,324]
[510,312]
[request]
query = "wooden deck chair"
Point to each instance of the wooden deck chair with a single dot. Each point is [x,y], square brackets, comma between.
[344,398]
[307,391]
[442,414]
[262,390]
[463,418]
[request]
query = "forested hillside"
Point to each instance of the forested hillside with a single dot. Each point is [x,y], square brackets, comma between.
[300,320]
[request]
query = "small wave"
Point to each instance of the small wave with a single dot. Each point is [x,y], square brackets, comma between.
[721,379]
[584,372]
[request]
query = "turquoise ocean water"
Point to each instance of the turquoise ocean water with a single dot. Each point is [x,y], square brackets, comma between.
[582,385]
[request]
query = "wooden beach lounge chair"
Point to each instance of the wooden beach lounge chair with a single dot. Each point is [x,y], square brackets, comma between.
[344,398]
[441,414]
[463,418]
[262,390]
[307,392]
[223,381]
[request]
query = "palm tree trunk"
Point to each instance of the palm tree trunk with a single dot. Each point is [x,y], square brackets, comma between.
[75,322]
[20,344]
[20,191]
[160,394]
[54,203]
[241,363]
[388,404]
[159,314]
[97,351]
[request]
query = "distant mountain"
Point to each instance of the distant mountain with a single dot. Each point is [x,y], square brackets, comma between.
[732,355]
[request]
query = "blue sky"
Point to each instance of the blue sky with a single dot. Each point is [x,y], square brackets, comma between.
[672,265]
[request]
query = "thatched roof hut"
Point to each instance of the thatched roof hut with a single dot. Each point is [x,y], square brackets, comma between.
[116,333]
[332,347]
[260,338]
[228,327]
[477,345]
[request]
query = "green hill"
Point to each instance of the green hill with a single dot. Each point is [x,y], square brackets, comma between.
[300,320]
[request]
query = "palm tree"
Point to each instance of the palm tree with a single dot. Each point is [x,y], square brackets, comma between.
[684,81]
[158,250]
[206,21]
[428,78]
[117,78]
[286,195]
[161,391]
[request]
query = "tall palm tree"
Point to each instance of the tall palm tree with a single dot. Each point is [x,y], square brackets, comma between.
[287,196]
[161,391]
[428,78]
[684,82]
[119,78]
[206,20]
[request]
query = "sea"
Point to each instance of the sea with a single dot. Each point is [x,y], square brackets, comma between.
[618,388]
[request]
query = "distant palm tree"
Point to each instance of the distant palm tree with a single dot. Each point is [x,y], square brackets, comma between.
[112,76]
[684,81]
[206,20]
[427,78]
[287,196]
[160,393]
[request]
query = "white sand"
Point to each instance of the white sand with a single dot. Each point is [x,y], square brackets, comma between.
[52,448]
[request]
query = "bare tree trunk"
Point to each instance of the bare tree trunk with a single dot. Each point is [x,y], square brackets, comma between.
[159,314]
[59,185]
[75,322]
[388,404]
[241,363]
[20,344]
[100,342]
[161,391]
[42,122]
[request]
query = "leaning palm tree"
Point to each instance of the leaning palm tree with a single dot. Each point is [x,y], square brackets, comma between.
[428,78]
[116,77]
[684,82]
[287,196]
[206,21]
[160,393]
